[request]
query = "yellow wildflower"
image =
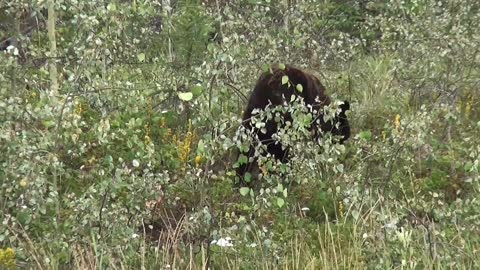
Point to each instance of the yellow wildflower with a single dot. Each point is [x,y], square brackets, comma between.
[92,160]
[149,107]
[264,170]
[198,160]
[162,122]
[24,182]
[79,108]
[147,134]
[397,121]
[468,108]
[341,208]
[147,139]
[185,146]
[7,258]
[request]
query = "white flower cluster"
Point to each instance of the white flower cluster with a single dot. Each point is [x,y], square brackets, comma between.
[223,242]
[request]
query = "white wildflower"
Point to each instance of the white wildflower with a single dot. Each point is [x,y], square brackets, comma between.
[135,163]
[223,242]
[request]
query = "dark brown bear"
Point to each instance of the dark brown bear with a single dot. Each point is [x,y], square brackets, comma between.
[270,90]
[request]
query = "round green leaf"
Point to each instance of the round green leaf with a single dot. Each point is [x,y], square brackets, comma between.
[244,191]
[111,7]
[24,217]
[48,123]
[141,57]
[247,177]
[210,47]
[265,67]
[185,96]
[197,90]
[299,88]
[284,79]
[242,159]
[280,202]
[365,135]
[200,147]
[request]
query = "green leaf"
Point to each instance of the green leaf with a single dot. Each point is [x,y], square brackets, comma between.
[247,177]
[365,135]
[111,7]
[307,119]
[299,42]
[200,147]
[259,124]
[210,47]
[141,57]
[197,90]
[185,96]
[24,217]
[280,202]
[224,57]
[468,166]
[265,67]
[340,168]
[299,88]
[108,159]
[281,66]
[244,191]
[242,159]
[355,214]
[284,79]
[48,123]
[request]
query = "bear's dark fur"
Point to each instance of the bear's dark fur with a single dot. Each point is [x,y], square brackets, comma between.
[270,90]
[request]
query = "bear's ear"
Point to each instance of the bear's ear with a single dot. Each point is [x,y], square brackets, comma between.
[345,106]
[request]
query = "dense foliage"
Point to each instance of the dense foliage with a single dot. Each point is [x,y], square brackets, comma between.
[131,163]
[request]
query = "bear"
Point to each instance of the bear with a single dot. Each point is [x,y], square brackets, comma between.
[274,89]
